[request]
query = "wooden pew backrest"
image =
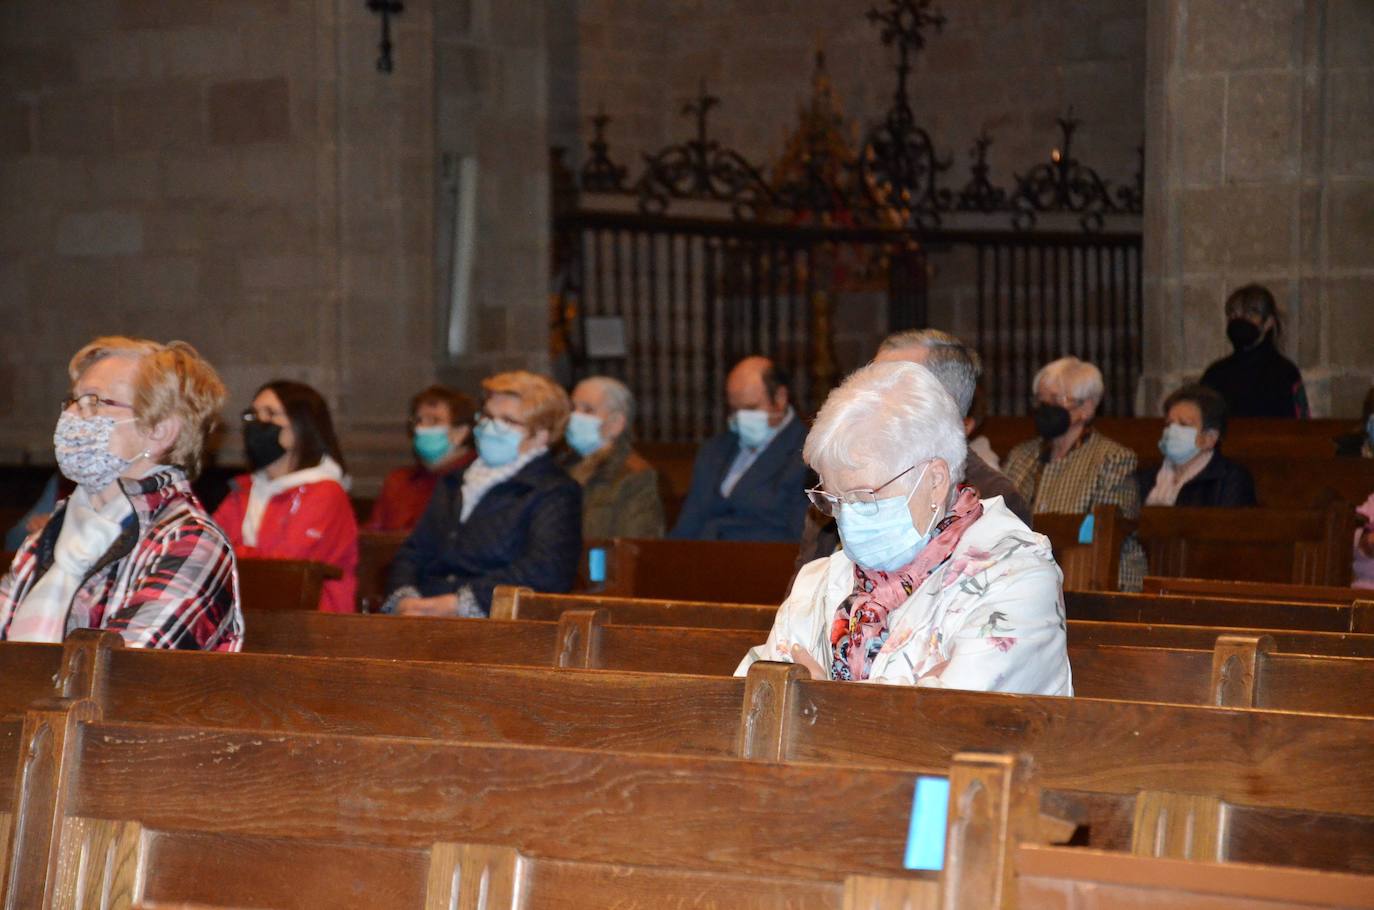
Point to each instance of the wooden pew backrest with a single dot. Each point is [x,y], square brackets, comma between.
[282,584]
[1254,591]
[1282,545]
[376,550]
[1090,566]
[738,572]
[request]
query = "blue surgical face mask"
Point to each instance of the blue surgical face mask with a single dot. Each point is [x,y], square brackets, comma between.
[751,426]
[584,433]
[886,539]
[1179,443]
[432,444]
[1369,429]
[498,443]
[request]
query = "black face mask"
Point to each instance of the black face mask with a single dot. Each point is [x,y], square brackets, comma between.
[262,443]
[1051,420]
[1243,333]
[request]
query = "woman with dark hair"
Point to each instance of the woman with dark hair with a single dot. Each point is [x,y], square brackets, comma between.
[1256,380]
[293,504]
[1194,472]
[1359,442]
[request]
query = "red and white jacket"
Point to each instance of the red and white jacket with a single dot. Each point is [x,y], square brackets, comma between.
[302,515]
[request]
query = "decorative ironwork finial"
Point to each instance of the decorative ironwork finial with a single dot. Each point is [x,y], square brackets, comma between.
[700,108]
[903,24]
[600,174]
[386,9]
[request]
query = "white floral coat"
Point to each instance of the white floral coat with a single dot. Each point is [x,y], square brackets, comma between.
[990,618]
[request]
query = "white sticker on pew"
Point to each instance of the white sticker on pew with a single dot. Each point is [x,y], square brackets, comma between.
[925,841]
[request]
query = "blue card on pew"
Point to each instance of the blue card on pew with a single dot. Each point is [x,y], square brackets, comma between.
[925,841]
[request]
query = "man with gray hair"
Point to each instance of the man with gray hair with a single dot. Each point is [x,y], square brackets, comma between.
[957,367]
[620,496]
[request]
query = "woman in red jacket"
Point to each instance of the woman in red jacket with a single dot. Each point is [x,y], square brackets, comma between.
[293,505]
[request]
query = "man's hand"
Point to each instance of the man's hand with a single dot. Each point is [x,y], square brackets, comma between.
[442,605]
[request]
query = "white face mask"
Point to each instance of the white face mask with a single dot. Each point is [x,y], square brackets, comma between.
[82,447]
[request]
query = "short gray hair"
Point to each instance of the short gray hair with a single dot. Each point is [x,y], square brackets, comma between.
[891,415]
[954,363]
[616,394]
[1079,378]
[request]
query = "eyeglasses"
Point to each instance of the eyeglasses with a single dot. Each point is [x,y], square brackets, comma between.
[248,415]
[485,418]
[863,502]
[87,405]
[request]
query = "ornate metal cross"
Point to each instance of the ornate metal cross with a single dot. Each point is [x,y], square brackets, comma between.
[386,9]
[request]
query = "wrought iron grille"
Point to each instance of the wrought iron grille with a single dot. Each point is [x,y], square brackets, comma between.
[766,276]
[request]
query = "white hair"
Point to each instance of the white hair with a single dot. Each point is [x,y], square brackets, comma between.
[954,363]
[615,394]
[1077,378]
[888,417]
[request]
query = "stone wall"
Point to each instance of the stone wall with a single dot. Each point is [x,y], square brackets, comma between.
[234,174]
[1261,156]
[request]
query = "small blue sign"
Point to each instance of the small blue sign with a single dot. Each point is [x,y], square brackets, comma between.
[1085,530]
[596,565]
[925,842]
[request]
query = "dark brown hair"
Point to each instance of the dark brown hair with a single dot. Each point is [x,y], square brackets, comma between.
[461,407]
[1209,402]
[310,423]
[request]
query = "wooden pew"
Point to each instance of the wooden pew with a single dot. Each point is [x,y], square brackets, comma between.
[510,603]
[283,584]
[1254,591]
[1093,566]
[1282,545]
[778,708]
[749,572]
[376,550]
[1238,670]
[1215,611]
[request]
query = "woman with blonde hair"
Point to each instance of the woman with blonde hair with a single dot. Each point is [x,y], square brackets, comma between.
[131,550]
[513,517]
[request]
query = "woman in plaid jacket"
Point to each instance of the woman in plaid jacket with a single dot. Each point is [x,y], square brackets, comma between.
[131,550]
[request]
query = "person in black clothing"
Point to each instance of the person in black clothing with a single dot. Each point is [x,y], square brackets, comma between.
[1194,472]
[1359,443]
[1256,381]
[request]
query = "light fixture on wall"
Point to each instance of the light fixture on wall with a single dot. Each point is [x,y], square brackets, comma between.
[386,9]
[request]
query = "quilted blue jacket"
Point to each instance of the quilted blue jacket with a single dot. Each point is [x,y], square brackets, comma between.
[525,531]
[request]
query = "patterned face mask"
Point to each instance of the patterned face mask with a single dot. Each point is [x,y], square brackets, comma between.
[82,446]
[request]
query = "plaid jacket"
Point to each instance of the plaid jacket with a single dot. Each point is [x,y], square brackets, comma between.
[168,581]
[1095,472]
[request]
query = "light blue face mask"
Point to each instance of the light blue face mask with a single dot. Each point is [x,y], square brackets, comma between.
[886,539]
[498,443]
[751,426]
[584,433]
[1179,443]
[1369,429]
[432,444]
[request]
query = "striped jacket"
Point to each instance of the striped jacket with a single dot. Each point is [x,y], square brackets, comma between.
[168,581]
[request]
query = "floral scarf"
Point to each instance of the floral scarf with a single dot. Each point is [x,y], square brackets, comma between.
[860,626]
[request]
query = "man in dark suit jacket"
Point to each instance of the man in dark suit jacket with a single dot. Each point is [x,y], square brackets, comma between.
[749,483]
[956,366]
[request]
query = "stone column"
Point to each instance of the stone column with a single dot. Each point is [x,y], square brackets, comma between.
[493,108]
[1260,167]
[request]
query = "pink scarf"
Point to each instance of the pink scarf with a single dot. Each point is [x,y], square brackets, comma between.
[860,625]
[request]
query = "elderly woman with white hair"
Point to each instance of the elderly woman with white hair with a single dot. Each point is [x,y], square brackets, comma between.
[619,487]
[131,550]
[932,586]
[1072,468]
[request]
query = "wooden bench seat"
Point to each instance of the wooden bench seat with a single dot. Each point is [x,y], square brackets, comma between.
[522,603]
[283,584]
[1255,760]
[1254,591]
[697,815]
[1215,611]
[584,639]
